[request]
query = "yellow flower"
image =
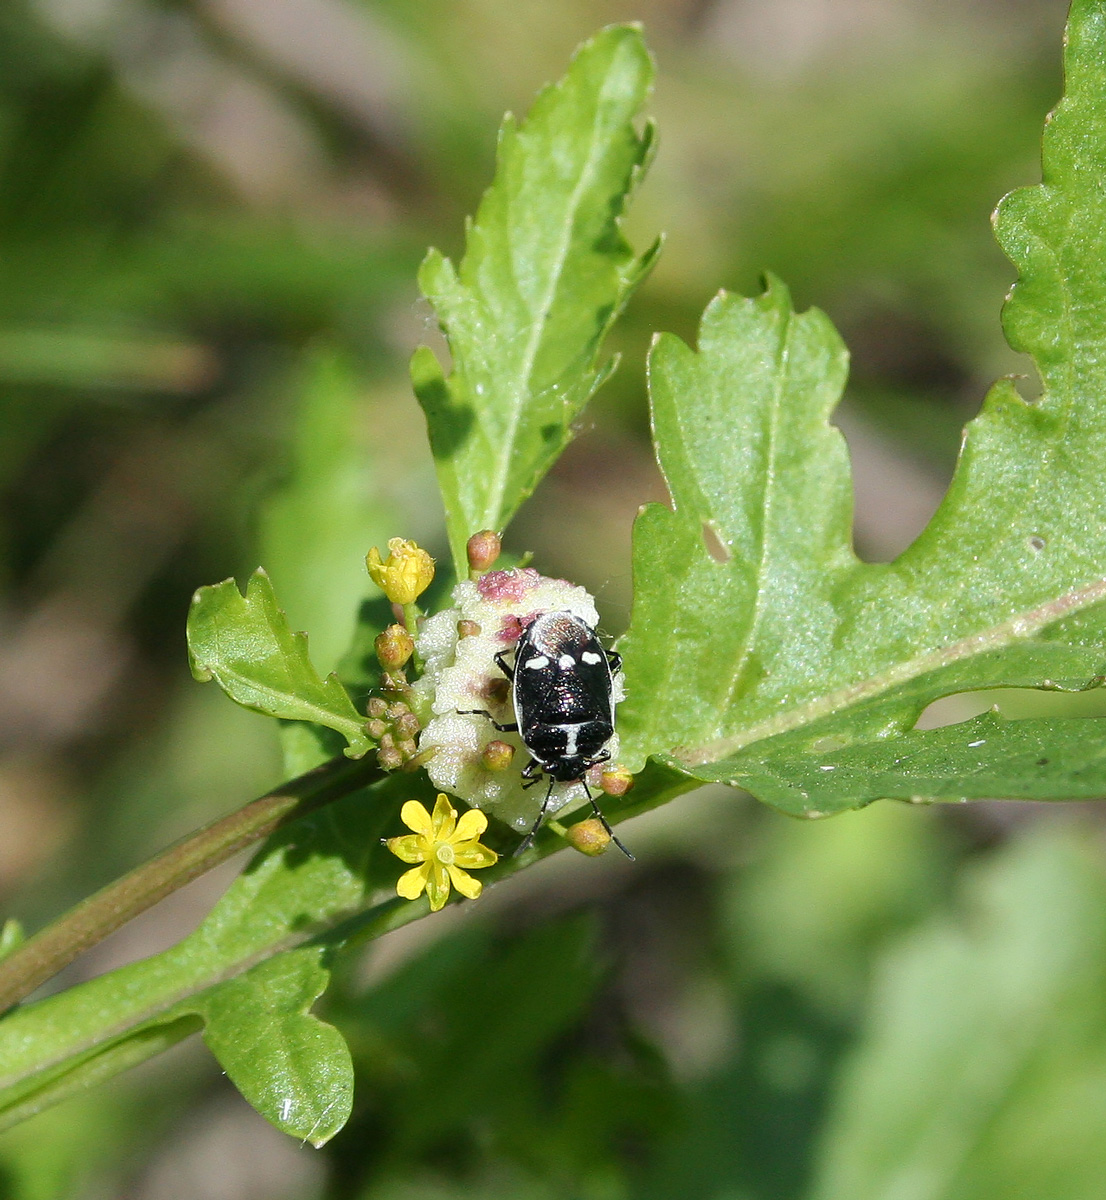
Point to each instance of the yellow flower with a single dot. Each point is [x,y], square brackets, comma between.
[405,574]
[444,846]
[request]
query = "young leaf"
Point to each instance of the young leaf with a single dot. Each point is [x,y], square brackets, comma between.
[545,274]
[791,668]
[245,645]
[293,1068]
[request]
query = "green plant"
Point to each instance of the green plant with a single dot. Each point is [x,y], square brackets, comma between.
[761,653]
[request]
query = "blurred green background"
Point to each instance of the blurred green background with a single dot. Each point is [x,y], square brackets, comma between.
[211,214]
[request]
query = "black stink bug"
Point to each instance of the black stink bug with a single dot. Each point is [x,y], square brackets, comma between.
[562,690]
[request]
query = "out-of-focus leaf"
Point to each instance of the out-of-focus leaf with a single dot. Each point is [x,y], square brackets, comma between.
[982,1070]
[316,529]
[245,644]
[89,358]
[812,904]
[293,1068]
[11,935]
[546,272]
[760,646]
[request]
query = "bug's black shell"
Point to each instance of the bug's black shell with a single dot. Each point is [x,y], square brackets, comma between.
[555,695]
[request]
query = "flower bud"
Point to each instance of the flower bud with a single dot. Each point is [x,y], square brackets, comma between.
[407,725]
[468,629]
[497,756]
[616,781]
[483,549]
[377,707]
[388,754]
[394,647]
[376,729]
[405,574]
[589,837]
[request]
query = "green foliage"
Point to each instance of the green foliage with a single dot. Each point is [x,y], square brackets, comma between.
[292,1067]
[316,529]
[985,1044]
[546,272]
[796,671]
[763,653]
[245,644]
[11,935]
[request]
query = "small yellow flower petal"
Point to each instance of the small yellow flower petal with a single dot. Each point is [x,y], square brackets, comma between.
[411,848]
[445,818]
[473,855]
[437,885]
[411,884]
[415,817]
[465,883]
[471,825]
[405,574]
[443,846]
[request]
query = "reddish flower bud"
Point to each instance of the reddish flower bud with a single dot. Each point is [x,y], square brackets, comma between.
[497,755]
[616,781]
[483,549]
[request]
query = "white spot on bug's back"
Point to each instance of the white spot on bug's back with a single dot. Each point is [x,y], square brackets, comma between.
[536,664]
[571,732]
[566,661]
[589,656]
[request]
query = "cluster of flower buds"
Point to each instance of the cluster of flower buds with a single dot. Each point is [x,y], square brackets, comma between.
[395,728]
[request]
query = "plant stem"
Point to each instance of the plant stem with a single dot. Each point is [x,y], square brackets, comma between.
[44,955]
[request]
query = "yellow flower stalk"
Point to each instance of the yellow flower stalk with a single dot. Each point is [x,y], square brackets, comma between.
[405,574]
[444,846]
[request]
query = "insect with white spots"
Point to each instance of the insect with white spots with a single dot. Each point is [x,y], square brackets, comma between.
[563,695]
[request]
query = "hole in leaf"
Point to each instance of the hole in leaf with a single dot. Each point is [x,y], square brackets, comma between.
[1015,704]
[716,548]
[1036,543]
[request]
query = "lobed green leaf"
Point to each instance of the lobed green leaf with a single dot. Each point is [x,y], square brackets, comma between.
[782,663]
[245,644]
[545,274]
[293,1068]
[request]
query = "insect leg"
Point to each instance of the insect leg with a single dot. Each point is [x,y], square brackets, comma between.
[606,824]
[508,671]
[483,712]
[528,840]
[614,660]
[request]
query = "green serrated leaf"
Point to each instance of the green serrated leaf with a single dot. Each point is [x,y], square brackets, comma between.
[545,274]
[751,463]
[751,670]
[987,757]
[245,644]
[293,1068]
